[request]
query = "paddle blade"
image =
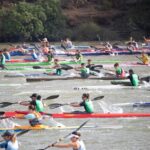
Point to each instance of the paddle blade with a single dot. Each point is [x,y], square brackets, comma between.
[37,67]
[2,113]
[55,105]
[5,104]
[52,97]
[66,67]
[98,98]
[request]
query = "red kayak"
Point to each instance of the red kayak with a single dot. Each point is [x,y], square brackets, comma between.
[73,115]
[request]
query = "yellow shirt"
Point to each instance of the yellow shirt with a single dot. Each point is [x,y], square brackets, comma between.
[145,59]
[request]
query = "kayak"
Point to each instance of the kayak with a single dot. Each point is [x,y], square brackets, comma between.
[71,78]
[21,60]
[25,75]
[137,104]
[142,104]
[62,62]
[73,115]
[42,127]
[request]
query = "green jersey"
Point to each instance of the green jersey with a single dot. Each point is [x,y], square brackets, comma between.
[2,59]
[88,106]
[39,106]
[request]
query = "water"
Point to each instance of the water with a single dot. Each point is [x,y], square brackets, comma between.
[109,134]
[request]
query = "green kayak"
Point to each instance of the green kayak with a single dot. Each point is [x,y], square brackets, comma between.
[61,62]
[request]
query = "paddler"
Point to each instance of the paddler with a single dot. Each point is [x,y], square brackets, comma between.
[86,103]
[34,55]
[120,73]
[92,66]
[2,60]
[33,116]
[134,79]
[35,101]
[84,72]
[57,67]
[50,56]
[75,143]
[145,59]
[10,142]
[7,54]
[78,56]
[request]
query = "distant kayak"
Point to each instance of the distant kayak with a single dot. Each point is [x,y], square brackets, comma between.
[137,104]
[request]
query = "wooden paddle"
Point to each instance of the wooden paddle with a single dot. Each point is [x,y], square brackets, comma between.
[56,105]
[61,139]
[6,104]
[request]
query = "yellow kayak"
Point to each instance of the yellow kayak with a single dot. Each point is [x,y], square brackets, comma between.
[41,127]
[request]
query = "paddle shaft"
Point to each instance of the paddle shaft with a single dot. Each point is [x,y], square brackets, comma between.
[5,104]
[56,105]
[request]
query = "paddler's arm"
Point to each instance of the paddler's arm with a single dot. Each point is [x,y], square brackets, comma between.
[25,103]
[64,145]
[77,68]
[75,104]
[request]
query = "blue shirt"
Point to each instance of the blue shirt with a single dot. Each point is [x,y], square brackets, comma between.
[8,145]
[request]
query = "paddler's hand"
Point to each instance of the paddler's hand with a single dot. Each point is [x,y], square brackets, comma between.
[52,145]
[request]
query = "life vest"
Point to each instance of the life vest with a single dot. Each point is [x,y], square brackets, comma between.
[120,72]
[34,56]
[79,57]
[39,106]
[145,59]
[36,120]
[134,80]
[89,106]
[2,59]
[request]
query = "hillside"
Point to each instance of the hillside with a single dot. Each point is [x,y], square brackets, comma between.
[82,20]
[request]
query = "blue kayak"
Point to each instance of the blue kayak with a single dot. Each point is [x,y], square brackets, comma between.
[142,104]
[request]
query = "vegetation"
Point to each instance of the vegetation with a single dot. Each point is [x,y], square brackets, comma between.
[31,20]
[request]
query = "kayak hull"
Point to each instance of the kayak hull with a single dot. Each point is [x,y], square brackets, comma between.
[73,115]
[71,78]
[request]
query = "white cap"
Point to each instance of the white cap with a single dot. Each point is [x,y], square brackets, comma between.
[73,135]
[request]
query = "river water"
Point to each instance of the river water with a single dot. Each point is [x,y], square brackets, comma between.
[105,133]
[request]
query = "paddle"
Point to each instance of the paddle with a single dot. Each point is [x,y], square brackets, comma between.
[6,104]
[63,67]
[139,58]
[56,105]
[65,136]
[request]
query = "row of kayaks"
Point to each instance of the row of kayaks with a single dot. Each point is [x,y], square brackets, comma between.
[90,52]
[69,62]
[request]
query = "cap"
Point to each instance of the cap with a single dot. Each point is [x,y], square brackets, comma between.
[33,95]
[45,39]
[8,133]
[73,135]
